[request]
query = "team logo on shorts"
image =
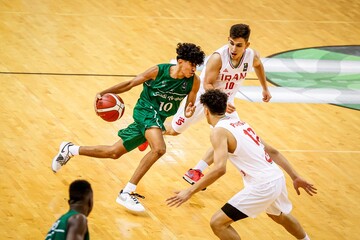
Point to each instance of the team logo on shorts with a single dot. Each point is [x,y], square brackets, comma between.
[180,121]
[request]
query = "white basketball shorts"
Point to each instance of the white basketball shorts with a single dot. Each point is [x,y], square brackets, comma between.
[270,197]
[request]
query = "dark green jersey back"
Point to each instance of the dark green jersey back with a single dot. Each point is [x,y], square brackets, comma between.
[58,230]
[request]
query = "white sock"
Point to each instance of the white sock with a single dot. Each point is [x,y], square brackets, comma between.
[202,165]
[74,150]
[305,238]
[129,187]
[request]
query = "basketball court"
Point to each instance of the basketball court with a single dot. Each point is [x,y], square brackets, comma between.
[56,55]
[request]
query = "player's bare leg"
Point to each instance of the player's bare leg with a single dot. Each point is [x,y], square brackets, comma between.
[221,225]
[291,224]
[127,197]
[209,156]
[158,148]
[67,150]
[102,151]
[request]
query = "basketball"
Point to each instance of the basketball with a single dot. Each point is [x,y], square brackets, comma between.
[110,107]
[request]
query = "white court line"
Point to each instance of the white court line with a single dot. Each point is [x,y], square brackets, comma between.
[303,65]
[301,95]
[320,151]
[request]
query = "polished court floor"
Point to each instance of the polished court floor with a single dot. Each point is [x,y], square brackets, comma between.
[56,55]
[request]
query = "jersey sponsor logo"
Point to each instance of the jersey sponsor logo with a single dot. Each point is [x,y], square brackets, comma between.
[230,77]
[180,121]
[225,70]
[184,85]
[246,65]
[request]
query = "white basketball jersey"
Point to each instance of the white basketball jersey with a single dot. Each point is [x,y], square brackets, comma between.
[249,156]
[231,77]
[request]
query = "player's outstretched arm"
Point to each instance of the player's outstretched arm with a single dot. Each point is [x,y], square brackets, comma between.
[219,142]
[298,181]
[190,102]
[149,74]
[213,66]
[260,73]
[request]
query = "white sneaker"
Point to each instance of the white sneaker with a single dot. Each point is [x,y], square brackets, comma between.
[130,201]
[62,157]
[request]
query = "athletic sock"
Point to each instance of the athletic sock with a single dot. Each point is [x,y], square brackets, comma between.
[129,188]
[74,150]
[202,165]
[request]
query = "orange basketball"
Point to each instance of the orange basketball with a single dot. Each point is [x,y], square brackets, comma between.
[110,107]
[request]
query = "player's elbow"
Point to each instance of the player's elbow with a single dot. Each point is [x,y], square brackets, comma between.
[220,171]
[273,152]
[130,85]
[270,150]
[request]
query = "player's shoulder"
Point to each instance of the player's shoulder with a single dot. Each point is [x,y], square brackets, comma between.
[164,65]
[222,49]
[215,59]
[152,72]
[79,218]
[252,51]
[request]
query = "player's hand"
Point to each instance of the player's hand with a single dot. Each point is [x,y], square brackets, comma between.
[190,109]
[230,108]
[302,183]
[97,98]
[266,95]
[179,198]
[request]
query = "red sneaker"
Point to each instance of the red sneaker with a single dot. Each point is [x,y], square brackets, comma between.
[143,146]
[193,175]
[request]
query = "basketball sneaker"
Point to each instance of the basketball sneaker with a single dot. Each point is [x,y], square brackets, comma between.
[62,157]
[130,201]
[192,176]
[143,146]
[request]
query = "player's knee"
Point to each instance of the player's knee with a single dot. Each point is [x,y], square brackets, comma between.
[215,225]
[278,219]
[159,150]
[115,153]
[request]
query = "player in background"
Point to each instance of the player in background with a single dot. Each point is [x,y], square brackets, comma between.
[226,69]
[73,224]
[264,182]
[164,87]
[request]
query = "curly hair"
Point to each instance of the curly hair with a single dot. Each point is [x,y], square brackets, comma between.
[215,100]
[240,31]
[190,52]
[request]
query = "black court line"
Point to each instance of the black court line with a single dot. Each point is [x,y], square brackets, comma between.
[78,74]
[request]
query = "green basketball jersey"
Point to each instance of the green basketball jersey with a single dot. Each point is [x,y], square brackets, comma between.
[164,94]
[58,230]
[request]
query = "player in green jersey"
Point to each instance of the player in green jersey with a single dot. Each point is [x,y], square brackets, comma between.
[73,224]
[164,87]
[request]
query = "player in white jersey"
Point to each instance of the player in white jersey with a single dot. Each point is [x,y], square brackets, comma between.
[264,182]
[225,69]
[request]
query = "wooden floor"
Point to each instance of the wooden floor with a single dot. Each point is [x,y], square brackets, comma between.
[114,37]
